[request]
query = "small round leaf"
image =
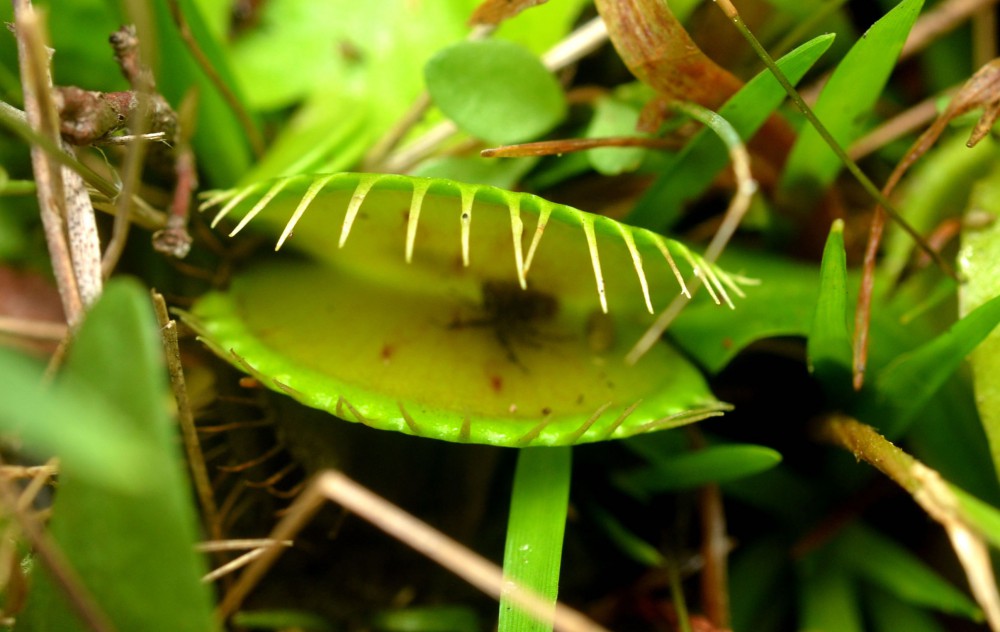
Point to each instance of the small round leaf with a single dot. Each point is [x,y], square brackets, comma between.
[495,90]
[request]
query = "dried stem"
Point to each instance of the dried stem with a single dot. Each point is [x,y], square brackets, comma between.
[189,433]
[738,206]
[943,18]
[471,567]
[33,59]
[59,570]
[929,491]
[824,133]
[32,328]
[556,147]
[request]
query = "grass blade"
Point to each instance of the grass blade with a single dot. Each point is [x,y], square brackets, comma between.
[535,531]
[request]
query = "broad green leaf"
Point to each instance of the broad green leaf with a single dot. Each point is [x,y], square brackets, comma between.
[495,90]
[614,117]
[372,52]
[715,464]
[782,305]
[133,551]
[846,100]
[887,564]
[535,528]
[903,387]
[979,262]
[829,345]
[689,173]
[71,420]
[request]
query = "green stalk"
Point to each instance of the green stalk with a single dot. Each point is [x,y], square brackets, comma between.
[535,531]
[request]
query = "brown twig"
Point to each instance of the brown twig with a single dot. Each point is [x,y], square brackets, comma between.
[943,18]
[982,90]
[33,59]
[32,328]
[928,490]
[59,569]
[337,487]
[569,145]
[189,433]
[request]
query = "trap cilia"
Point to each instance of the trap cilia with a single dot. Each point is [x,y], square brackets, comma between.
[455,311]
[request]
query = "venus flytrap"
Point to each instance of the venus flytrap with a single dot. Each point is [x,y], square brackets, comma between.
[459,312]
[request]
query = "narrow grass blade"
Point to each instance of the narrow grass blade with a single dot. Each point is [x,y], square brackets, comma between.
[689,173]
[887,564]
[535,531]
[846,100]
[904,386]
[829,345]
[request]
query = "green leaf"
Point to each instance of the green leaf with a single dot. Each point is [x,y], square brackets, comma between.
[535,528]
[829,345]
[133,551]
[495,90]
[828,601]
[759,574]
[281,620]
[979,262]
[220,142]
[982,517]
[714,338]
[846,100]
[428,619]
[632,545]
[885,563]
[688,173]
[72,420]
[715,464]
[902,388]
[614,117]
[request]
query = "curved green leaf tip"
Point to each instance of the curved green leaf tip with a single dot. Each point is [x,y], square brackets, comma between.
[458,312]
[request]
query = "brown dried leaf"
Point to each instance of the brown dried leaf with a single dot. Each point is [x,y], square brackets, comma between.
[661,54]
[493,12]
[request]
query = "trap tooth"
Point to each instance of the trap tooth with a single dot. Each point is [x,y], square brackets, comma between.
[468,196]
[416,203]
[307,199]
[261,204]
[637,264]
[595,259]
[517,231]
[544,210]
[673,265]
[585,426]
[231,204]
[364,186]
